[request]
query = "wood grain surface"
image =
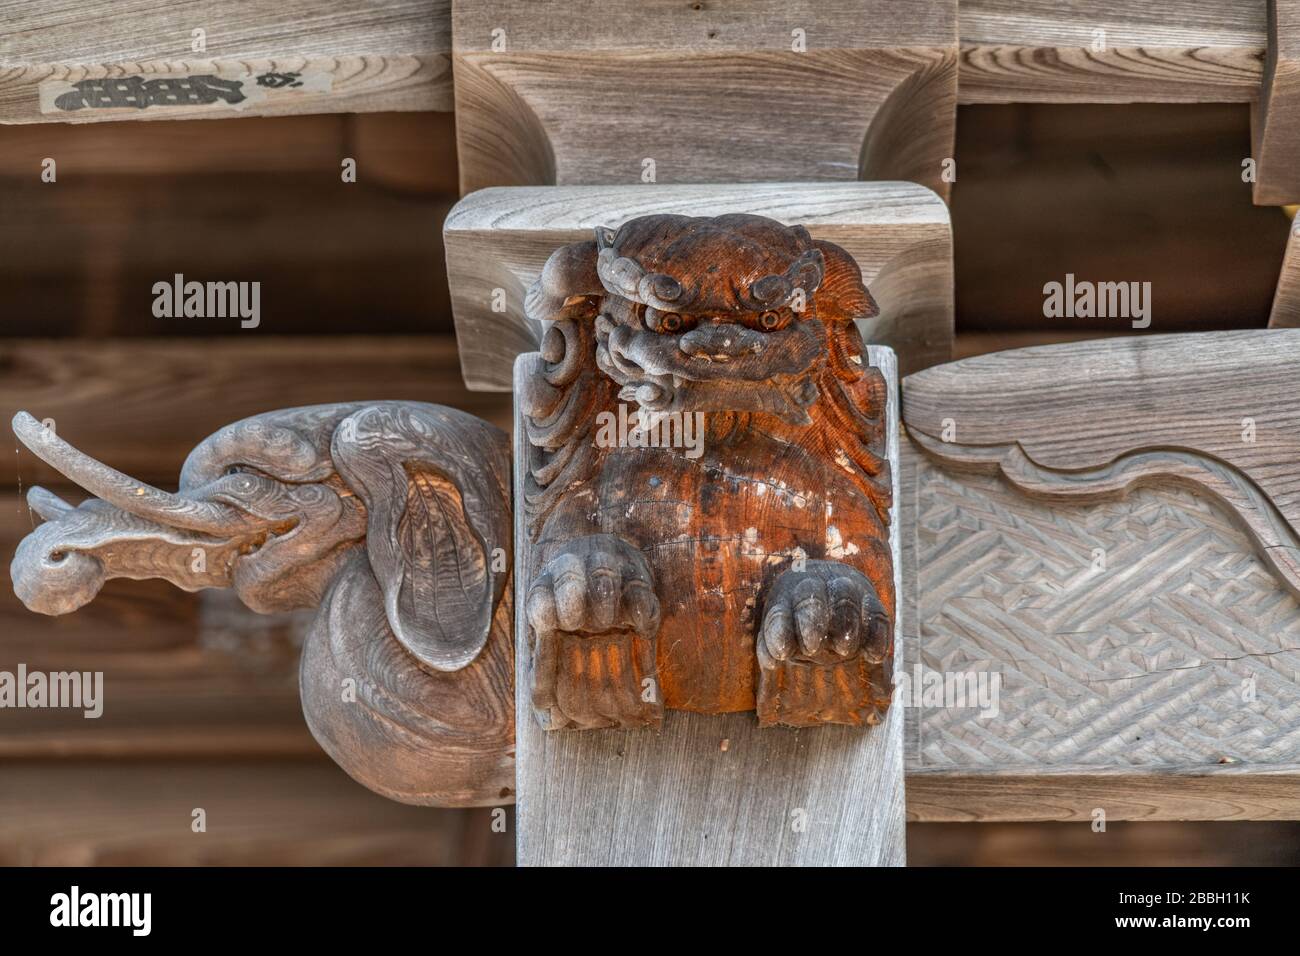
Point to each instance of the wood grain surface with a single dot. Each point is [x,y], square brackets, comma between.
[584,93]
[81,256]
[1103,533]
[367,56]
[258,813]
[1174,51]
[142,404]
[1275,115]
[1285,313]
[707,789]
[500,238]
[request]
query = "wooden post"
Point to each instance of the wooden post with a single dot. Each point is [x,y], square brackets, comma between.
[706,789]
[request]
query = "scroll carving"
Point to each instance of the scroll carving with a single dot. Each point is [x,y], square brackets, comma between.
[392,518]
[707,492]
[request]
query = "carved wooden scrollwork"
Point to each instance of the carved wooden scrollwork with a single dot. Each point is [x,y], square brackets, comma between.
[392,518]
[1092,421]
[707,492]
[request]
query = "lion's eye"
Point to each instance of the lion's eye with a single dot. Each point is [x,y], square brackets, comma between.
[769,320]
[670,321]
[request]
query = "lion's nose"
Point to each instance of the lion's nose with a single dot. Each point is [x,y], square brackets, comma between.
[721,341]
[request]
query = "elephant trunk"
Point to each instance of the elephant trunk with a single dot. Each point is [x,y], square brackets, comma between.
[123,491]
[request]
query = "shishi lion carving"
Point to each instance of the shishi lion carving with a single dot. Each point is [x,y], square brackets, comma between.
[757,575]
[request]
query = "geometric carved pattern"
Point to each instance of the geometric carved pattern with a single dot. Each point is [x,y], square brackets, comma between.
[1143,664]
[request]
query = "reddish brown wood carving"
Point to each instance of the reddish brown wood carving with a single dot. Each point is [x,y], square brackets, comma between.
[707,492]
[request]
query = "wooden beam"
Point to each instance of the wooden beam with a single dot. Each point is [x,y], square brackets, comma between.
[1110,530]
[347,57]
[1110,51]
[1075,794]
[499,239]
[143,404]
[1285,313]
[256,813]
[754,90]
[1275,117]
[707,789]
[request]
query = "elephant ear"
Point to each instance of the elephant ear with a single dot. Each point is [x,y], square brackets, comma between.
[435,485]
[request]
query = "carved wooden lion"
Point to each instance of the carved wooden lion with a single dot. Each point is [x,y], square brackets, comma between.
[731,552]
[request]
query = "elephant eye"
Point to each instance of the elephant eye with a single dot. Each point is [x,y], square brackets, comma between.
[234,470]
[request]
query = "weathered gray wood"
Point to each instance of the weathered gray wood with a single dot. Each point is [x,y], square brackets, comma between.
[1275,115]
[749,90]
[257,812]
[1285,313]
[1111,528]
[112,399]
[499,239]
[391,518]
[1170,51]
[708,790]
[352,57]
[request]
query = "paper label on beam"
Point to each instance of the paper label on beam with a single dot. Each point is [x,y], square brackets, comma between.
[219,90]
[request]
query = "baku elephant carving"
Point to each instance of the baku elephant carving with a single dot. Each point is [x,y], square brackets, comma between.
[392,518]
[730,550]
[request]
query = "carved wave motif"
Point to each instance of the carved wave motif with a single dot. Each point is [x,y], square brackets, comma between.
[1277,541]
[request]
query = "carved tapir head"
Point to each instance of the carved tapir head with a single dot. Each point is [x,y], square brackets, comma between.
[273,506]
[393,517]
[733,313]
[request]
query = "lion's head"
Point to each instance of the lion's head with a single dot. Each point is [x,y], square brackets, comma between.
[734,313]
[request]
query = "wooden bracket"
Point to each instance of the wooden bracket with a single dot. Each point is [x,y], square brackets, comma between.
[1110,530]
[497,241]
[1275,114]
[392,519]
[588,92]
[1285,311]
